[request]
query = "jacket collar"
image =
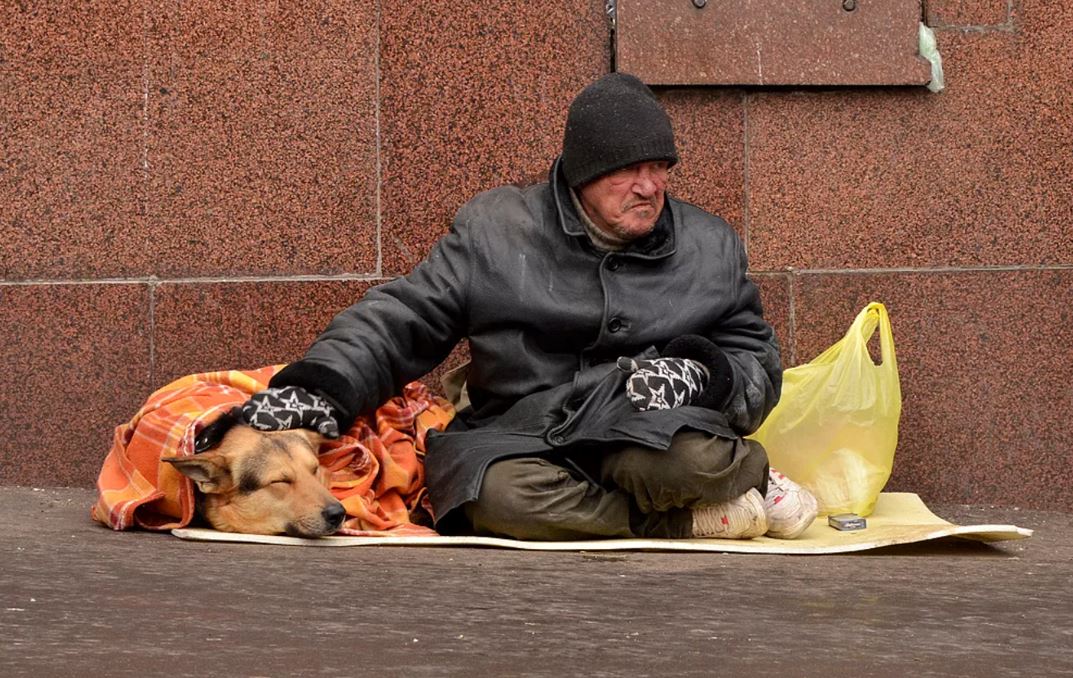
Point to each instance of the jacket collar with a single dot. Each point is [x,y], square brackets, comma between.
[660,243]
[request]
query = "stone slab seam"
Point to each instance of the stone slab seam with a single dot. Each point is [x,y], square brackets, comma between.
[379,150]
[154,280]
[151,324]
[146,77]
[745,221]
[360,277]
[787,345]
[791,313]
[925,269]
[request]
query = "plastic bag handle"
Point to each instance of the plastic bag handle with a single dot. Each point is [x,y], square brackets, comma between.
[874,317]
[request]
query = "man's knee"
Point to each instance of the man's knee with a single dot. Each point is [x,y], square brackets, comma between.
[516,492]
[691,454]
[512,486]
[698,469]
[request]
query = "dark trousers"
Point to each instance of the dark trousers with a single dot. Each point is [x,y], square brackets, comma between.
[631,491]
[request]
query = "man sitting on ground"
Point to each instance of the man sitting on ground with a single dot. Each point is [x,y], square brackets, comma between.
[619,352]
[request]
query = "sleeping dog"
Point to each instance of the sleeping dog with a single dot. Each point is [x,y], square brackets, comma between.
[260,482]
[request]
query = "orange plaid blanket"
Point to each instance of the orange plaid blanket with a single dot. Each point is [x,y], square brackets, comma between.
[377,473]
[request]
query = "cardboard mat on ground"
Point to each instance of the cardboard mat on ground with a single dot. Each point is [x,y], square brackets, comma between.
[899,518]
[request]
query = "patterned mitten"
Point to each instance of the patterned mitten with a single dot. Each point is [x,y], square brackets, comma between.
[663,383]
[280,409]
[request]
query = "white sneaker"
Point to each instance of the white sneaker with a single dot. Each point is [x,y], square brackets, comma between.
[743,517]
[790,508]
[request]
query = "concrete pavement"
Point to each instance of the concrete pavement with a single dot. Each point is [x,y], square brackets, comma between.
[78,599]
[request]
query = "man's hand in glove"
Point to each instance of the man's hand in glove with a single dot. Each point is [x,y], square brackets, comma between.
[663,383]
[280,409]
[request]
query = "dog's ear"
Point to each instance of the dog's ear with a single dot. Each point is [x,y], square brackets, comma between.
[209,470]
[211,435]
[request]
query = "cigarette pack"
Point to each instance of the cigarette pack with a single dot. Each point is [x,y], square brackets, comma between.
[847,522]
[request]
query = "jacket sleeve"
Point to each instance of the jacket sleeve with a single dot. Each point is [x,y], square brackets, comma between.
[741,354]
[396,333]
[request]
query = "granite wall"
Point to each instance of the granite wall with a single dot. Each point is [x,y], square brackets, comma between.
[188,186]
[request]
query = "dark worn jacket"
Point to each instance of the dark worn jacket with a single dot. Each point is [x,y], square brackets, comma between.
[547,314]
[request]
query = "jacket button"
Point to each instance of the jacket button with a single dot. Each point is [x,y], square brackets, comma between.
[557,439]
[613,264]
[614,325]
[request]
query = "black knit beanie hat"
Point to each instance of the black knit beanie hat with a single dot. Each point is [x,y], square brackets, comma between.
[614,122]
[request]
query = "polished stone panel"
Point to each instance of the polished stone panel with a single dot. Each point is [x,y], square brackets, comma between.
[202,327]
[262,140]
[976,13]
[975,176]
[59,33]
[76,364]
[71,171]
[241,30]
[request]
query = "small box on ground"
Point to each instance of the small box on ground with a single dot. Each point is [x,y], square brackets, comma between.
[847,522]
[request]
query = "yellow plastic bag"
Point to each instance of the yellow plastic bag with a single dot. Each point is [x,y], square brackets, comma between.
[836,426]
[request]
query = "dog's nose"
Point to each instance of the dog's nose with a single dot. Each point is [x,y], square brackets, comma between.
[334,514]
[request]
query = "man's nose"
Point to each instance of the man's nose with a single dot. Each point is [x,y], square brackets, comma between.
[646,185]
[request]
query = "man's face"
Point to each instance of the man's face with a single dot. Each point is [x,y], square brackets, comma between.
[626,203]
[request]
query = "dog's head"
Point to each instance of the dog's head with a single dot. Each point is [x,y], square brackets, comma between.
[261,482]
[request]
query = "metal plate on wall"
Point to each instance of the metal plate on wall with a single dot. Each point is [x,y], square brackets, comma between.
[771,42]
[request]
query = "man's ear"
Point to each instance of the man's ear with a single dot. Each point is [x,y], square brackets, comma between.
[209,470]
